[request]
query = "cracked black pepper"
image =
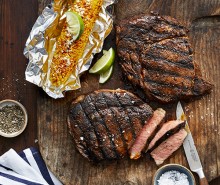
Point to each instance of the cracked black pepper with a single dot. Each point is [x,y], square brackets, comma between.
[12,119]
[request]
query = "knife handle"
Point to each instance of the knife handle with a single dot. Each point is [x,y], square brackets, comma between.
[203,181]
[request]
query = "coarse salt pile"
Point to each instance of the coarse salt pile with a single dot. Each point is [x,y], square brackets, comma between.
[173,178]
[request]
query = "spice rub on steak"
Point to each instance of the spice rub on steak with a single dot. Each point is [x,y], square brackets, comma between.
[105,123]
[155,54]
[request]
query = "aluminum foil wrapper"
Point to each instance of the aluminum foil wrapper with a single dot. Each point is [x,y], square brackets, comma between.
[41,44]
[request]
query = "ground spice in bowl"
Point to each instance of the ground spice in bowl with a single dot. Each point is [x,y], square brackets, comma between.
[13,118]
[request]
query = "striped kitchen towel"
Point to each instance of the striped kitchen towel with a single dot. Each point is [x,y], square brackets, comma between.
[26,167]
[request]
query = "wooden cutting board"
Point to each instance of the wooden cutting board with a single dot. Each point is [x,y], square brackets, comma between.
[56,145]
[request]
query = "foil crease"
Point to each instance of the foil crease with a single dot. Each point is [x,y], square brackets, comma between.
[41,44]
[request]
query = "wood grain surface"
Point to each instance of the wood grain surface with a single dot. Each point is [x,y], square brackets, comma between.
[16,21]
[203,114]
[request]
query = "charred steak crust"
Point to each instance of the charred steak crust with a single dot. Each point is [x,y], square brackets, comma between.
[105,123]
[155,54]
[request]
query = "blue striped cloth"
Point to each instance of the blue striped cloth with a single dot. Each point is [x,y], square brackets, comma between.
[26,167]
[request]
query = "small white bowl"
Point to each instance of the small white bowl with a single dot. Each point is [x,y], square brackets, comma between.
[176,167]
[13,102]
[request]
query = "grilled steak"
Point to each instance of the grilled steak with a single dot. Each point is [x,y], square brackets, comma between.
[166,148]
[105,123]
[155,54]
[146,133]
[168,128]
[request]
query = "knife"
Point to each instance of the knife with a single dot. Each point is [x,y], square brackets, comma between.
[190,148]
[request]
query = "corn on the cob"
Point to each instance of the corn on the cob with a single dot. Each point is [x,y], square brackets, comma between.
[68,53]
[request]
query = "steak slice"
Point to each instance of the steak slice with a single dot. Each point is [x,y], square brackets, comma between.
[155,54]
[146,132]
[105,123]
[166,148]
[169,128]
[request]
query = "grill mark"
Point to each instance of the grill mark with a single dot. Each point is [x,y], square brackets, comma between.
[76,133]
[151,35]
[148,108]
[127,128]
[102,143]
[124,125]
[132,58]
[180,63]
[93,153]
[168,134]
[161,66]
[129,42]
[173,49]
[167,86]
[117,123]
[165,93]
[96,133]
[137,123]
[140,115]
[173,73]
[170,56]
[159,36]
[132,66]
[150,26]
[142,38]
[167,80]
[130,122]
[132,44]
[111,125]
[157,93]
[129,69]
[104,124]
[152,92]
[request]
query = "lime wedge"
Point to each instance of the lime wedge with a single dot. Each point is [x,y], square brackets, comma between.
[75,24]
[104,62]
[106,75]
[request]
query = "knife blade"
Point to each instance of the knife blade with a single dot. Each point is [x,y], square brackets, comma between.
[190,148]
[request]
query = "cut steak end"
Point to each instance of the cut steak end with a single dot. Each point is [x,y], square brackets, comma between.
[146,133]
[105,123]
[155,54]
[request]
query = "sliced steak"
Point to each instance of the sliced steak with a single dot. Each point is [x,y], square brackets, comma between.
[169,128]
[146,132]
[155,54]
[105,123]
[166,148]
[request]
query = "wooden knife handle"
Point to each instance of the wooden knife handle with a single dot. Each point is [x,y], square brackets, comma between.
[203,181]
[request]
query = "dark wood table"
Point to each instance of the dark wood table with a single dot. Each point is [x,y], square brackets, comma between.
[16,21]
